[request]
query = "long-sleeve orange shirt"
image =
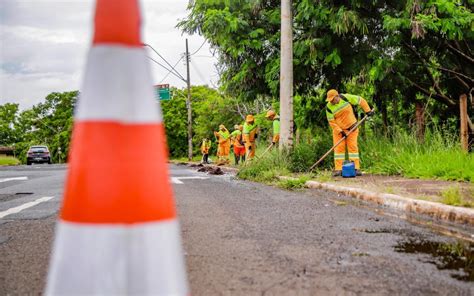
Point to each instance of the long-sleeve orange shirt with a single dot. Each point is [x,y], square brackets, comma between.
[341,115]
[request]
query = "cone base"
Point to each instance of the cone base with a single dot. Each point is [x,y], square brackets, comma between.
[143,259]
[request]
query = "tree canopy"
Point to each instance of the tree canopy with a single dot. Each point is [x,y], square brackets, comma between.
[395,53]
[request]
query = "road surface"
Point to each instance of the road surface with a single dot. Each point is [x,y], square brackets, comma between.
[244,238]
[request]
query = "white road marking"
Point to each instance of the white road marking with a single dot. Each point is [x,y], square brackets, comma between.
[13,179]
[24,206]
[187,178]
[177,180]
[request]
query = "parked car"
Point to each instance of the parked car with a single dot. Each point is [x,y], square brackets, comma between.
[38,154]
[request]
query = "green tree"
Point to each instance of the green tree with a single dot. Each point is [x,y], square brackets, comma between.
[8,119]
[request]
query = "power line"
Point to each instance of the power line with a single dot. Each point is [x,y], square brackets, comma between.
[158,63]
[199,48]
[169,72]
[172,68]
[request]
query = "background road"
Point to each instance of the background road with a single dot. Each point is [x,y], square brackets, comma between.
[243,238]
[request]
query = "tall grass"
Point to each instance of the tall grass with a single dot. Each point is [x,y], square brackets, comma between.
[267,168]
[439,156]
[8,160]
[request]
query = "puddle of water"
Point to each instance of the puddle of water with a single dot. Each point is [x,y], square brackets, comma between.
[451,256]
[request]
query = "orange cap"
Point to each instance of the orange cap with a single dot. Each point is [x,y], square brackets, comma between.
[331,94]
[249,118]
[270,114]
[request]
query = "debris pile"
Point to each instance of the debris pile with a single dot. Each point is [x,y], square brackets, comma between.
[211,170]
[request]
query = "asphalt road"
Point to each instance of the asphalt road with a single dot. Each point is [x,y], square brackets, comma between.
[243,238]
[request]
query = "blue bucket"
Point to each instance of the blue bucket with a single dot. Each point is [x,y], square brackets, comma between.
[348,170]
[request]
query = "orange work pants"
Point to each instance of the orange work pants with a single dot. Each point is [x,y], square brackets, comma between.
[340,150]
[224,151]
[250,148]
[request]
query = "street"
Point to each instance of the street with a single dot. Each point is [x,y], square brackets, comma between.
[243,238]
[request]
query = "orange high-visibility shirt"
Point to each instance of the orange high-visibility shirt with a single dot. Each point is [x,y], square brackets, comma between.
[342,115]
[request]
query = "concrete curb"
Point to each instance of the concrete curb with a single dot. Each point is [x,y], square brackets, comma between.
[433,210]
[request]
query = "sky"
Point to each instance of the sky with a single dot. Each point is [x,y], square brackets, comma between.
[44,44]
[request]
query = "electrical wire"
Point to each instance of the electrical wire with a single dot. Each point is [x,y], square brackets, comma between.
[158,63]
[199,48]
[172,68]
[169,72]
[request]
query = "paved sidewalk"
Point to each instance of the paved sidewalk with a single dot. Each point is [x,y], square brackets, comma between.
[447,192]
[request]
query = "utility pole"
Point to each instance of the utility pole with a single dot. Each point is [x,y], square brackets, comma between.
[286,76]
[188,105]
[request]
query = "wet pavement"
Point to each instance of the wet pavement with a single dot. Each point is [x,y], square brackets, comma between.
[244,238]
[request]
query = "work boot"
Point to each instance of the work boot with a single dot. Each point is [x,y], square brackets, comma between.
[358,173]
[336,173]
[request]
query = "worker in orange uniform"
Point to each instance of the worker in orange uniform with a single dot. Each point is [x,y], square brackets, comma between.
[223,138]
[238,142]
[205,146]
[250,131]
[341,117]
[271,115]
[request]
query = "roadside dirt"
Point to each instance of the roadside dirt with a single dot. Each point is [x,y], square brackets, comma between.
[432,190]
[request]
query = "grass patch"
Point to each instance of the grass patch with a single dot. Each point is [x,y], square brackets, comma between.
[293,184]
[452,196]
[390,190]
[439,157]
[266,169]
[8,160]
[324,176]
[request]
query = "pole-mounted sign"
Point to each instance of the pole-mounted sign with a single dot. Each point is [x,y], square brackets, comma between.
[162,92]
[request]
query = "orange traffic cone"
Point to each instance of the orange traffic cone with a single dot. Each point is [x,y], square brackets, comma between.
[118,233]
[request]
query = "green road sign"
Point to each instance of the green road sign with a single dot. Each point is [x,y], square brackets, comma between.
[163,92]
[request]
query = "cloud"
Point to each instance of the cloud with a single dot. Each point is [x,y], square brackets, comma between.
[44,43]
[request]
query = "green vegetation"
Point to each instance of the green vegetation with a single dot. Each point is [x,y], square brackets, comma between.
[266,169]
[7,160]
[438,156]
[293,184]
[452,196]
[47,123]
[401,55]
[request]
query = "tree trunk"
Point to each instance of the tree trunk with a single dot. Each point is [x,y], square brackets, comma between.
[383,110]
[420,121]
[464,127]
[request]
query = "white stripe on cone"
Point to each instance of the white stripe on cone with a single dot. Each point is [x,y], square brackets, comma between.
[118,87]
[140,259]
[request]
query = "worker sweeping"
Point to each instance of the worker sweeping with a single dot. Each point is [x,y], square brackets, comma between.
[250,130]
[341,117]
[271,115]
[223,138]
[238,142]
[205,147]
